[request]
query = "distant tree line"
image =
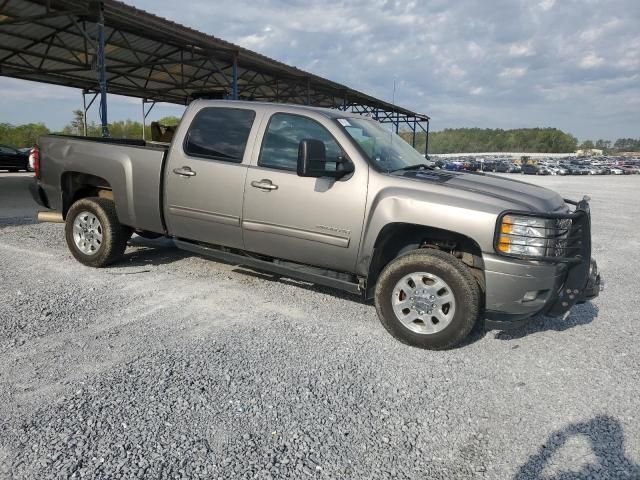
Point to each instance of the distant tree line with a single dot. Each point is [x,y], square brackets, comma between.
[620,145]
[26,135]
[450,140]
[21,135]
[118,129]
[464,140]
[541,140]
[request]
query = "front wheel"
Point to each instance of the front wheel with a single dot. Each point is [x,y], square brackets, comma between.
[94,235]
[428,299]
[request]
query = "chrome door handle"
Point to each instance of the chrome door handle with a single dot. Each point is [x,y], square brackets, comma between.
[184,171]
[264,184]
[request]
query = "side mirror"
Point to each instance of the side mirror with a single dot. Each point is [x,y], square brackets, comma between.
[312,161]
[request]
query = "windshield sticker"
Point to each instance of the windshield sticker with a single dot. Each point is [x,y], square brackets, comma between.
[344,122]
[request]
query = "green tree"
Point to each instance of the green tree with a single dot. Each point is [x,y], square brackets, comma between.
[170,121]
[19,136]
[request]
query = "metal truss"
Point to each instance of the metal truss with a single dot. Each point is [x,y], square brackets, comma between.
[108,46]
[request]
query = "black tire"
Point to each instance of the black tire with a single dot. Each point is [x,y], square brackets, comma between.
[114,235]
[456,274]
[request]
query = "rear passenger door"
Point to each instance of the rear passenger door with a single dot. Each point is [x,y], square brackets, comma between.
[205,175]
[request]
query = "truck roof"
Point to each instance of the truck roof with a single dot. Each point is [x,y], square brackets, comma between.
[328,112]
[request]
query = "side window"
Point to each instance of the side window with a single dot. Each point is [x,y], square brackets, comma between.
[219,133]
[7,150]
[283,135]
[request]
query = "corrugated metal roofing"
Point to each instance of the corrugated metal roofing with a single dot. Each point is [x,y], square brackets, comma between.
[154,58]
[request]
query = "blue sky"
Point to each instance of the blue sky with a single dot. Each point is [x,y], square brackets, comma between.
[571,64]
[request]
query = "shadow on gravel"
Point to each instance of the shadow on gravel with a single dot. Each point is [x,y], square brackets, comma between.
[150,252]
[606,438]
[13,221]
[580,315]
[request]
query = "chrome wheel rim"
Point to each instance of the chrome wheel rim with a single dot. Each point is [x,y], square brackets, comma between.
[87,233]
[423,302]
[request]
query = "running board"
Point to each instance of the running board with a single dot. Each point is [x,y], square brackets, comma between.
[300,272]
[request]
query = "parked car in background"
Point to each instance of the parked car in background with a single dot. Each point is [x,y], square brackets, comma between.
[502,167]
[453,166]
[12,159]
[629,169]
[530,169]
[471,166]
[615,170]
[489,166]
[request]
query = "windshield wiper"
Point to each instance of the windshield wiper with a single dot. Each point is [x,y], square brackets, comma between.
[417,166]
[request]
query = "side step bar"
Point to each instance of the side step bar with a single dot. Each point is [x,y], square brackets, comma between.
[300,272]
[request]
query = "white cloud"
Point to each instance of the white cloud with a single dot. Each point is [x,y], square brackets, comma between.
[591,60]
[521,49]
[547,4]
[513,72]
[464,62]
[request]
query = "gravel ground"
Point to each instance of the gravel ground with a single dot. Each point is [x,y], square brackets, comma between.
[168,365]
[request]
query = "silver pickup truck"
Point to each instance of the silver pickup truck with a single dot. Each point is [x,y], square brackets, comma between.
[332,198]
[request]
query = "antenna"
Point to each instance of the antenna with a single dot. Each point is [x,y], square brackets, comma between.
[393,107]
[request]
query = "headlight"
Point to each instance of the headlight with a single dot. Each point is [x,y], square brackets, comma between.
[527,236]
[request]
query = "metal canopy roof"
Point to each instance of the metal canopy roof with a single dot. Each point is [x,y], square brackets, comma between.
[146,56]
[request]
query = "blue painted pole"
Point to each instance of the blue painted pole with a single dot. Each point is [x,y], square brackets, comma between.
[102,75]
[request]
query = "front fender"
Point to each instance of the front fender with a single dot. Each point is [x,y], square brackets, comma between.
[433,209]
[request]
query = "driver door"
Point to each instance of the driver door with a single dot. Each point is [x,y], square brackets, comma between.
[317,221]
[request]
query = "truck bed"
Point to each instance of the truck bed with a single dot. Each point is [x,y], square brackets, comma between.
[131,168]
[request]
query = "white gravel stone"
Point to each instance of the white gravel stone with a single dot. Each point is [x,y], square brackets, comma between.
[168,365]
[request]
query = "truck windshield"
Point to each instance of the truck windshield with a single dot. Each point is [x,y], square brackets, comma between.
[385,150]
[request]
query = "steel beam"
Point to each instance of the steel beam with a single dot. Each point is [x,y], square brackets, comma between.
[234,78]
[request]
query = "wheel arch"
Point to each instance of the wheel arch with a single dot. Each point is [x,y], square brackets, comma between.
[78,185]
[397,238]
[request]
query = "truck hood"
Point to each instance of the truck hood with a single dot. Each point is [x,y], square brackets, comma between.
[521,195]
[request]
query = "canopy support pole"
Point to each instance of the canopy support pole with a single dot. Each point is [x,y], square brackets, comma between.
[86,108]
[145,114]
[102,73]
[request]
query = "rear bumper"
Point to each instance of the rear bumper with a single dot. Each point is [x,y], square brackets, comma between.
[38,194]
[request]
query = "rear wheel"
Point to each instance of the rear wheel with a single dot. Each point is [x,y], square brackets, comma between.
[94,235]
[428,299]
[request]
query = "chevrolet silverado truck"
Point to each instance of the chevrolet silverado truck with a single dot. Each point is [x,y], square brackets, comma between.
[332,198]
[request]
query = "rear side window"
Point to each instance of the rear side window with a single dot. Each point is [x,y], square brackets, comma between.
[283,135]
[219,134]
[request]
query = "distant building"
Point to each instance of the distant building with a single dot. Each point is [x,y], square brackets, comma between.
[589,152]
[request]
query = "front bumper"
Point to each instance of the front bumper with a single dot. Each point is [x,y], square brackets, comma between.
[518,290]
